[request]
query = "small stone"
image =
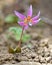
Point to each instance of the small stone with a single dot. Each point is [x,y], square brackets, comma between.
[28,55]
[44,42]
[30,63]
[6,57]
[31,55]
[41,59]
[48,59]
[40,50]
[22,58]
[25,49]
[51,61]
[30,60]
[46,52]
[25,63]
[13,62]
[43,64]
[36,59]
[49,64]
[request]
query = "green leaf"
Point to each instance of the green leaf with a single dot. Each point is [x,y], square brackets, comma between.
[16,50]
[11,50]
[11,18]
[17,33]
[25,37]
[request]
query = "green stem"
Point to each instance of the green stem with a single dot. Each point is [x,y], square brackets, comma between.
[21,37]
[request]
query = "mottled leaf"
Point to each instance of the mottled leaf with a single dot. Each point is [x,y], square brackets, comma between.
[17,33]
[11,18]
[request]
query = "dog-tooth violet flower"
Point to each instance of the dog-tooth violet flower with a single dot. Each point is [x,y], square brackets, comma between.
[28,20]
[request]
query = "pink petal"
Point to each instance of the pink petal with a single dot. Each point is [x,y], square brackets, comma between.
[29,13]
[36,21]
[21,16]
[21,23]
[25,27]
[36,17]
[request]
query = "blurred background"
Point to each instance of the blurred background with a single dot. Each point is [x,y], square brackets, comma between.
[7,8]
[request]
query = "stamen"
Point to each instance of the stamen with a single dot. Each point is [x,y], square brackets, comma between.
[25,21]
[28,18]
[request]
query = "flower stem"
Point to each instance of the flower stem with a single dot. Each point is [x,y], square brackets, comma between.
[21,38]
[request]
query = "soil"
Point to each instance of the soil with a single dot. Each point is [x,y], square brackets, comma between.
[38,49]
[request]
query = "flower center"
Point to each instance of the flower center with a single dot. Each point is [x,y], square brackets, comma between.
[27,20]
